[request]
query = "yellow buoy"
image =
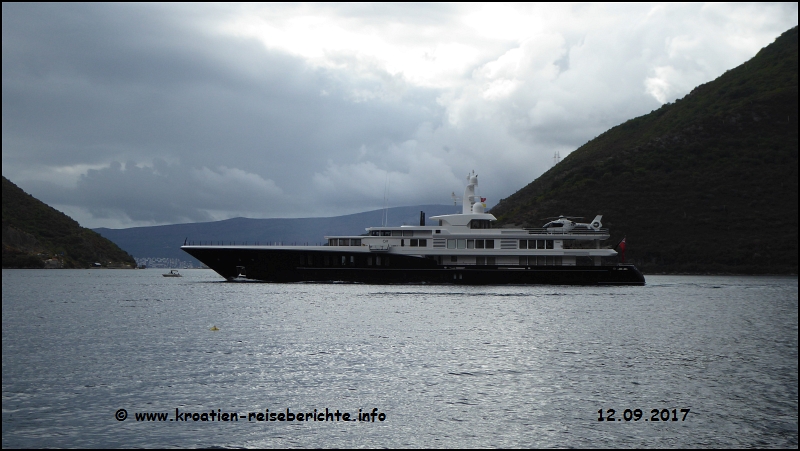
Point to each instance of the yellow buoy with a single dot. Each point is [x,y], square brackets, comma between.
[214,328]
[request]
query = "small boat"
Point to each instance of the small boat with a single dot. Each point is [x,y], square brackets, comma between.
[172,273]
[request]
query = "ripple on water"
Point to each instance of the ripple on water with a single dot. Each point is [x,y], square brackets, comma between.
[449,366]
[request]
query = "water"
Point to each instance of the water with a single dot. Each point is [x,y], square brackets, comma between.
[511,366]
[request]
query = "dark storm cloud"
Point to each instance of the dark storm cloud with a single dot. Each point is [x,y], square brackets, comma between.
[96,82]
[87,84]
[159,193]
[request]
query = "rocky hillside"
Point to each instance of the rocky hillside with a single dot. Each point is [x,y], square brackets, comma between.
[705,184]
[35,235]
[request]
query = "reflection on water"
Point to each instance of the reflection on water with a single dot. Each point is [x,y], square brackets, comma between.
[513,366]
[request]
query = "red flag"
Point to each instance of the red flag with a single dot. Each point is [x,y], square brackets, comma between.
[621,247]
[483,199]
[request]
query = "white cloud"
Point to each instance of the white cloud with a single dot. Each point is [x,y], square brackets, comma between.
[659,85]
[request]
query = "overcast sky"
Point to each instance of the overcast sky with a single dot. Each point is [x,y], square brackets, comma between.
[125,115]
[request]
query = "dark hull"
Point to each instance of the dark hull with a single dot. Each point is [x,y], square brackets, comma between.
[298,265]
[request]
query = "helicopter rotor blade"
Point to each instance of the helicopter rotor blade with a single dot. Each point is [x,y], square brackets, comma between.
[561,217]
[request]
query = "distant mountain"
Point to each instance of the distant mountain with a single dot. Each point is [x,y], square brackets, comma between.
[706,184]
[35,235]
[165,241]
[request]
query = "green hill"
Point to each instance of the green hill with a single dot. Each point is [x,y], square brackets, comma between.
[34,232]
[706,184]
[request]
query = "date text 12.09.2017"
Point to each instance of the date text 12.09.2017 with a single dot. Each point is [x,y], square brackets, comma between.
[636,415]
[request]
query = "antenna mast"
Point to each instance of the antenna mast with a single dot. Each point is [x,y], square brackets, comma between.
[385,218]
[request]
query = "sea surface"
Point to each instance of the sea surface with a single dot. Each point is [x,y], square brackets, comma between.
[443,366]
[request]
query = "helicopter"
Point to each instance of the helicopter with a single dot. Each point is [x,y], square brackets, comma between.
[565,224]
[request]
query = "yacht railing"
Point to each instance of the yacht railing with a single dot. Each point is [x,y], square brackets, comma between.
[247,243]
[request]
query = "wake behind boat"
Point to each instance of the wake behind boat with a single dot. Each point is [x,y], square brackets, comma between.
[462,249]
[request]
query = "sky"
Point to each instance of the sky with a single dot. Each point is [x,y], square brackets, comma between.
[124,115]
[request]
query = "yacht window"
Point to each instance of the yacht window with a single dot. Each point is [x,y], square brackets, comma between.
[478,244]
[352,260]
[523,244]
[490,261]
[414,242]
[423,243]
[470,244]
[540,244]
[402,243]
[369,261]
[523,260]
[451,244]
[490,245]
[374,233]
[549,244]
[332,242]
[377,260]
[344,260]
[462,244]
[344,242]
[355,242]
[386,233]
[439,231]
[453,259]
[397,233]
[480,260]
[408,233]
